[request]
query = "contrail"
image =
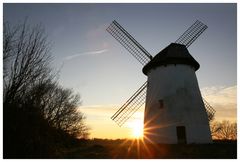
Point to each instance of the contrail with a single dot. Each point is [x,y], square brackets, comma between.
[85,53]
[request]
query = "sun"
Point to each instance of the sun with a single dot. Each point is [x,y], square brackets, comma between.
[136,127]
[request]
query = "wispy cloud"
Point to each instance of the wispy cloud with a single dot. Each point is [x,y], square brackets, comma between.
[104,113]
[97,32]
[224,101]
[220,94]
[97,52]
[106,110]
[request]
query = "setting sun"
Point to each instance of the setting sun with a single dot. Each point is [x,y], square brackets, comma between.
[136,128]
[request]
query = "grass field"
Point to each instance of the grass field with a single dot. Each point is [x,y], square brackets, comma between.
[135,149]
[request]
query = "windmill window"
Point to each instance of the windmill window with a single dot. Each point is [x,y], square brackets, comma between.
[161,104]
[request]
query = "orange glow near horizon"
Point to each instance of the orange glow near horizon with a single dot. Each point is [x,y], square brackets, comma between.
[98,117]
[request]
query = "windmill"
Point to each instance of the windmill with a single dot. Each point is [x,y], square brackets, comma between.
[175,112]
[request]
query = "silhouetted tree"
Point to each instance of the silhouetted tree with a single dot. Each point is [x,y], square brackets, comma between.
[59,107]
[25,58]
[224,130]
[37,111]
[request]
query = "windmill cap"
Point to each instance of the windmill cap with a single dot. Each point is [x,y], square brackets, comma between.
[172,54]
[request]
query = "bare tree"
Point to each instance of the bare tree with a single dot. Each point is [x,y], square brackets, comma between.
[215,128]
[224,130]
[30,83]
[59,107]
[26,59]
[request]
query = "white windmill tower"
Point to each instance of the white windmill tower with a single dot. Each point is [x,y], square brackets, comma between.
[175,112]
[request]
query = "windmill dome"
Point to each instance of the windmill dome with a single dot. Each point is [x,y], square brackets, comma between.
[172,54]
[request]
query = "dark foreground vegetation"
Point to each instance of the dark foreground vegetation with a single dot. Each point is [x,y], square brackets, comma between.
[39,115]
[134,149]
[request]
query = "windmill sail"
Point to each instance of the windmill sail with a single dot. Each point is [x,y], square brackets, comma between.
[125,39]
[209,109]
[192,33]
[131,106]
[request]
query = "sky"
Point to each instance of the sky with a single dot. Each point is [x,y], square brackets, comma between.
[97,67]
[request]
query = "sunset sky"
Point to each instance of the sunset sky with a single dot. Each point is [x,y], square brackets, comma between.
[97,67]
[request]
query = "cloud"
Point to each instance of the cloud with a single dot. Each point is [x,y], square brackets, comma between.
[223,99]
[97,32]
[103,113]
[97,52]
[212,90]
[98,112]
[220,94]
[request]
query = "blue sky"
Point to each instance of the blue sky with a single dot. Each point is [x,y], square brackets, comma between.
[95,65]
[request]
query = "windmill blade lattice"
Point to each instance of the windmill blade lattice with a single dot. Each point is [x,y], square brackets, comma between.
[209,109]
[125,39]
[131,106]
[192,33]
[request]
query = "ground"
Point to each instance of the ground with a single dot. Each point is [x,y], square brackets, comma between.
[135,149]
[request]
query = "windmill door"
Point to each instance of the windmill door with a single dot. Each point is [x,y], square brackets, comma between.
[181,135]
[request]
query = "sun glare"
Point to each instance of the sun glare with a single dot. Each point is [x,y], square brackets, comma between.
[137,128]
